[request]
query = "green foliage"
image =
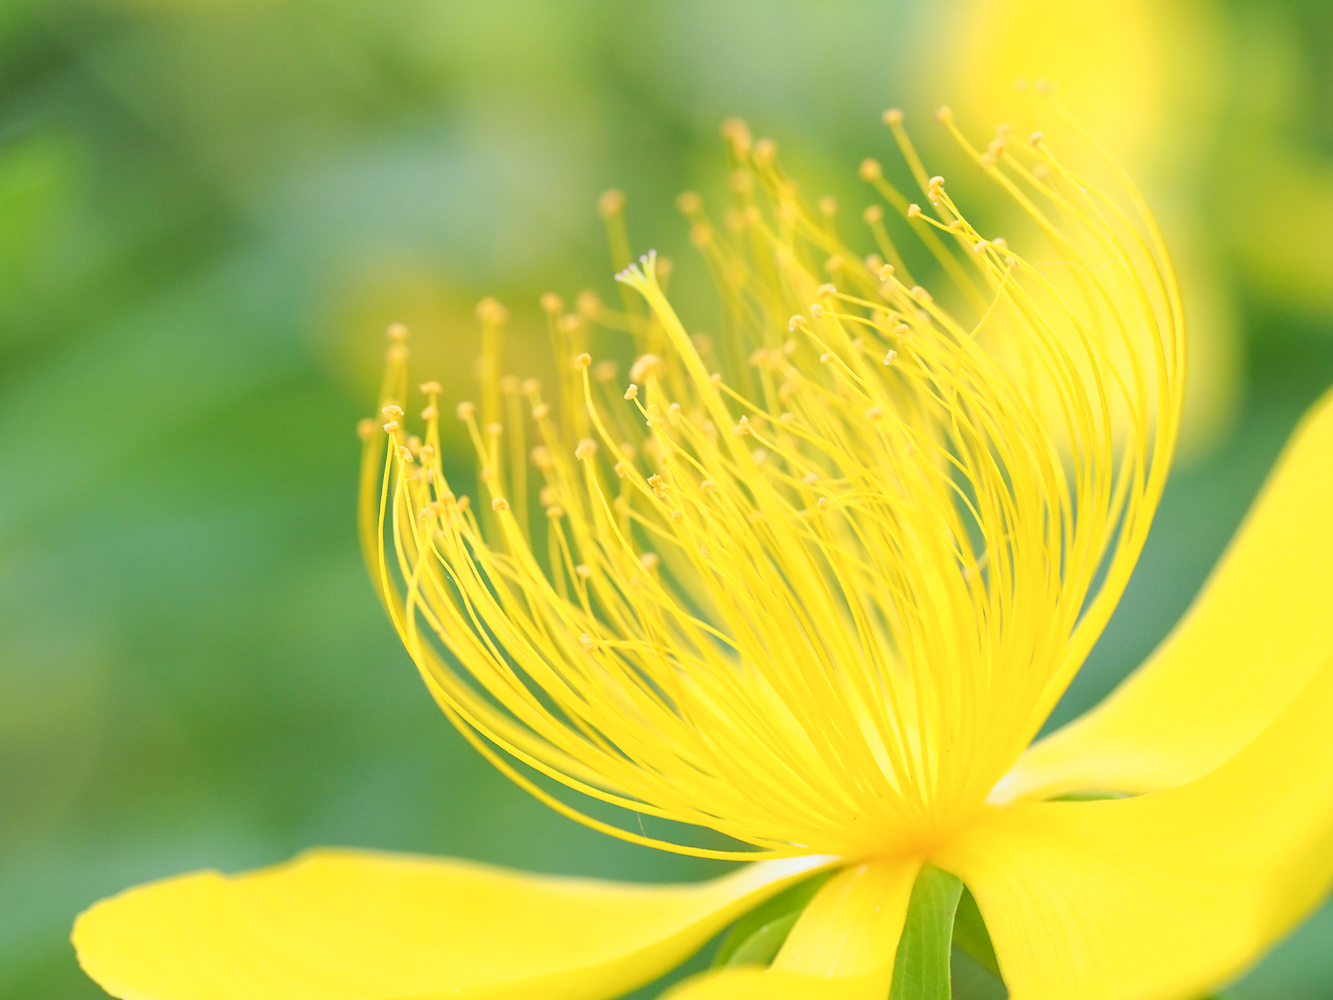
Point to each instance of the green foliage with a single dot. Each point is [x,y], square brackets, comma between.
[921,968]
[970,935]
[756,938]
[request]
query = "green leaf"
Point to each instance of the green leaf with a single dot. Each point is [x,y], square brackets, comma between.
[756,937]
[921,969]
[971,936]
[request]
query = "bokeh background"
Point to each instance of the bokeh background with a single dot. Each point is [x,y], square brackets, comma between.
[209,210]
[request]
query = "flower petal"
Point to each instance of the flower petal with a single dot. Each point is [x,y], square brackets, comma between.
[1253,638]
[1167,895]
[346,925]
[842,947]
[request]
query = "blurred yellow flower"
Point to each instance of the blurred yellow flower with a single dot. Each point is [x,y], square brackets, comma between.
[815,585]
[1146,77]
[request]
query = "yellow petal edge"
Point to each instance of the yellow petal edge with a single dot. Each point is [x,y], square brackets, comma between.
[842,947]
[1251,641]
[353,925]
[1168,895]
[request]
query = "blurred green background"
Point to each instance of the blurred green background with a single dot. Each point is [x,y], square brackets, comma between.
[208,212]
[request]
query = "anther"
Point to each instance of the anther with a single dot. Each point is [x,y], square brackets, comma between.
[426,452]
[604,371]
[555,512]
[392,411]
[621,506]
[406,455]
[913,210]
[810,478]
[552,303]
[979,246]
[920,294]
[465,410]
[391,426]
[541,411]
[715,379]
[707,486]
[816,311]
[587,448]
[548,496]
[582,361]
[396,333]
[632,392]
[463,503]
[874,412]
[893,117]
[822,503]
[870,169]
[499,503]
[1036,138]
[541,458]
[764,152]
[827,288]
[583,570]
[689,202]
[588,304]
[490,311]
[944,115]
[888,358]
[611,202]
[495,429]
[587,642]
[642,366]
[736,132]
[742,427]
[872,214]
[795,323]
[365,428]
[650,560]
[431,388]
[826,357]
[429,413]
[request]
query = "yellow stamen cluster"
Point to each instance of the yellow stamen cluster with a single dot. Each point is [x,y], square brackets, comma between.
[814,583]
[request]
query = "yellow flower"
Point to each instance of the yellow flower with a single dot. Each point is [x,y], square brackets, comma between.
[815,584]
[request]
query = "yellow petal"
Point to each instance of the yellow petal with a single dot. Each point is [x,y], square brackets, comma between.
[1168,895]
[1252,639]
[345,925]
[842,947]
